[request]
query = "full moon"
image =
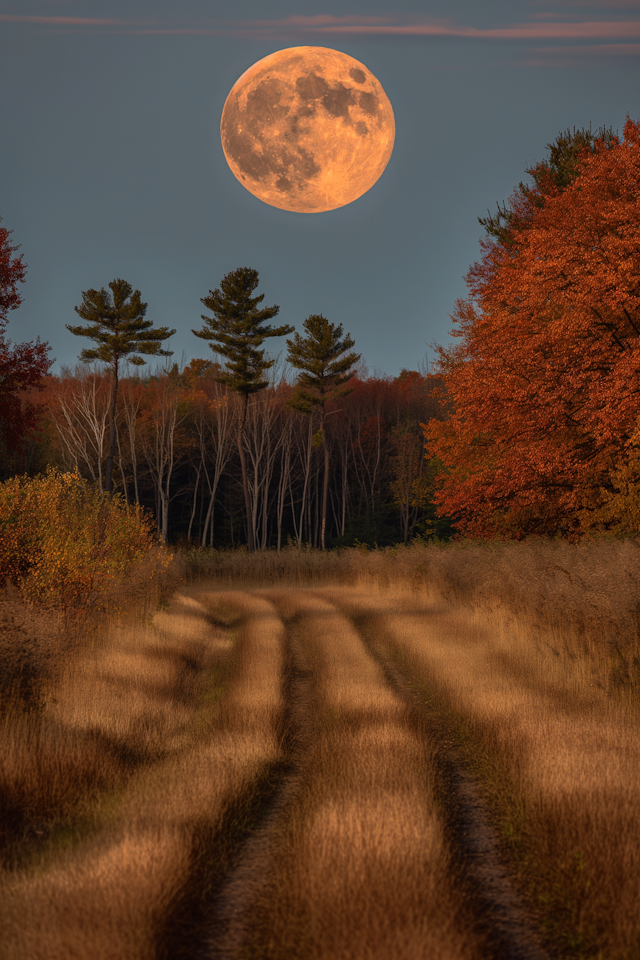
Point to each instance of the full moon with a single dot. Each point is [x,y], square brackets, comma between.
[307,129]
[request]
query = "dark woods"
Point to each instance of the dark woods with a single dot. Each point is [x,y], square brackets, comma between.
[177,454]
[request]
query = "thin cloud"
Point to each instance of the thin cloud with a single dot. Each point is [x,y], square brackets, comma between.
[326,20]
[550,29]
[591,30]
[592,50]
[181,32]
[608,6]
[61,21]
[548,15]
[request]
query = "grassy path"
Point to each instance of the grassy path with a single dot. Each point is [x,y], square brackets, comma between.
[353,861]
[320,774]
[474,842]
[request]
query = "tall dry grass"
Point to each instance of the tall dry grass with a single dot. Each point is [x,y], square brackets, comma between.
[135,757]
[359,866]
[532,650]
[580,601]
[119,782]
[556,754]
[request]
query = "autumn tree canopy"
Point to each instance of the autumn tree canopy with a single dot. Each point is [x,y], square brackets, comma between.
[553,173]
[545,379]
[22,365]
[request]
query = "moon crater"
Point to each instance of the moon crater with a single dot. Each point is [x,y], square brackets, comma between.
[307,129]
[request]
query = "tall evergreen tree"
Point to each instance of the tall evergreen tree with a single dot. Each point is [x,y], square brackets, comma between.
[116,323]
[236,332]
[325,366]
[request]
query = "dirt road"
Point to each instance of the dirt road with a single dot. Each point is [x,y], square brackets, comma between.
[321,773]
[374,840]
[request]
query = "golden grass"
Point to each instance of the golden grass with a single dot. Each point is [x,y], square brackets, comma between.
[581,601]
[557,756]
[106,904]
[134,758]
[358,866]
[142,742]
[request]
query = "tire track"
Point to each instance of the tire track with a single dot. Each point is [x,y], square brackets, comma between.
[225,931]
[352,860]
[473,840]
[199,923]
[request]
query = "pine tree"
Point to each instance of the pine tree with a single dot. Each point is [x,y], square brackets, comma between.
[117,325]
[236,332]
[325,367]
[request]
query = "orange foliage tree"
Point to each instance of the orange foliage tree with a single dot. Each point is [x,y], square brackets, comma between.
[545,381]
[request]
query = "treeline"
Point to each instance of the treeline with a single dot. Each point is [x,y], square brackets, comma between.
[232,451]
[530,424]
[177,454]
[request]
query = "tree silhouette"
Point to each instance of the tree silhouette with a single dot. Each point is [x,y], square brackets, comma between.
[236,332]
[117,325]
[325,367]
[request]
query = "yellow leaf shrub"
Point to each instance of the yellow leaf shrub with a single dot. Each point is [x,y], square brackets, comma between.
[62,543]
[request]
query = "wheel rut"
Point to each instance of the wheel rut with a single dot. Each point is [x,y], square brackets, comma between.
[225,932]
[495,901]
[228,860]
[219,926]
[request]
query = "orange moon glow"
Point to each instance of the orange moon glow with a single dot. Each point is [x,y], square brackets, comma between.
[307,129]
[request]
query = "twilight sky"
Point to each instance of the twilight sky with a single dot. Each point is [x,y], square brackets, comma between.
[111,163]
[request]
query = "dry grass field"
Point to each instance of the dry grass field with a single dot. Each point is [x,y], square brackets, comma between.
[427,752]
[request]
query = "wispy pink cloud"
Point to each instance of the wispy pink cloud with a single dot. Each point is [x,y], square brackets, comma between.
[591,30]
[608,4]
[547,15]
[180,31]
[592,50]
[61,21]
[324,20]
[549,29]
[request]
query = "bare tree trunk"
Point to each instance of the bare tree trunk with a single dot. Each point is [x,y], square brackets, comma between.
[124,479]
[112,431]
[80,415]
[195,502]
[245,482]
[263,435]
[130,407]
[405,518]
[316,512]
[345,455]
[305,491]
[166,497]
[325,484]
[213,424]
[159,448]
[285,473]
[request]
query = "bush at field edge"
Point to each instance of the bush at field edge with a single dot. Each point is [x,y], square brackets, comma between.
[63,543]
